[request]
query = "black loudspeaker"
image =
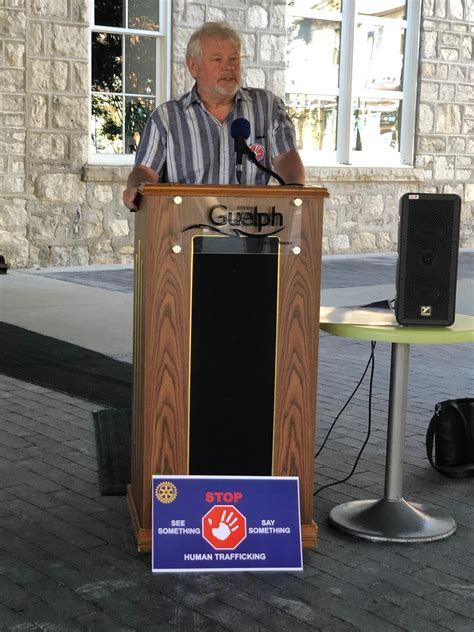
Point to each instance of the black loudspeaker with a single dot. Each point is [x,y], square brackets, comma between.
[428,246]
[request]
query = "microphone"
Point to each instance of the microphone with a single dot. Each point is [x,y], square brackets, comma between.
[240,131]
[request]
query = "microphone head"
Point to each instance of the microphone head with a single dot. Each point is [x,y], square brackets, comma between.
[240,128]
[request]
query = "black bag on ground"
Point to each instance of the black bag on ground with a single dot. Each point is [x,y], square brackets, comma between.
[451,430]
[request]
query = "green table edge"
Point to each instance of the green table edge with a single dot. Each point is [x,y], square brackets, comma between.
[461,331]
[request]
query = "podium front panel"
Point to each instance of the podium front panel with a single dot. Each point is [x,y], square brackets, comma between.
[233,355]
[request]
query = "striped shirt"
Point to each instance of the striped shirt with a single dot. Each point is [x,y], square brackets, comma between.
[183,142]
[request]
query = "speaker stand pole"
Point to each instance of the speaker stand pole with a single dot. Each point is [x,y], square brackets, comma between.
[393,519]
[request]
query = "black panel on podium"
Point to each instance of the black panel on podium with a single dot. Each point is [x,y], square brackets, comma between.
[233,348]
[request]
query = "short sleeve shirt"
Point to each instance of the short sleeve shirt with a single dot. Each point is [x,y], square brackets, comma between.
[183,142]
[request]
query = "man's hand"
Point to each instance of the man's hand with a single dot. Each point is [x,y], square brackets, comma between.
[139,175]
[290,167]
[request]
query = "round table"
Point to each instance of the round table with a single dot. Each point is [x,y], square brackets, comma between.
[391,518]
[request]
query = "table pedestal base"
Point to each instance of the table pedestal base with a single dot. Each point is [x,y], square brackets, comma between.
[392,521]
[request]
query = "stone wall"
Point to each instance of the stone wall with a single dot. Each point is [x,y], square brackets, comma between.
[55,209]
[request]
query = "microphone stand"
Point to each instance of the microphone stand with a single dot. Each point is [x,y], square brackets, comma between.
[251,156]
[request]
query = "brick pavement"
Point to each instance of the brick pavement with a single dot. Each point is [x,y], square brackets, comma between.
[67,555]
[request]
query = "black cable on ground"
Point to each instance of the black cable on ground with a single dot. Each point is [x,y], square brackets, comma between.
[371,363]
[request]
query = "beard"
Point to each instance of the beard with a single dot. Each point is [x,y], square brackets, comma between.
[227,92]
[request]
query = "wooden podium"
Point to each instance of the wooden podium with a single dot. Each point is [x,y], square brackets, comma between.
[226,327]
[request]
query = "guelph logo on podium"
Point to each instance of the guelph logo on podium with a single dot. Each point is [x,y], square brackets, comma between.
[238,221]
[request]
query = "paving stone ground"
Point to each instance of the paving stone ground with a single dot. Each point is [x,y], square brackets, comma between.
[67,554]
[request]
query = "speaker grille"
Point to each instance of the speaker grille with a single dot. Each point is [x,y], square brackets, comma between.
[427,259]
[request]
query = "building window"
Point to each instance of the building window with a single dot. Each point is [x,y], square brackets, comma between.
[129,73]
[351,79]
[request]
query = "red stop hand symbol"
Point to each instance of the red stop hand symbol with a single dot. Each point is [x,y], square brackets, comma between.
[224,527]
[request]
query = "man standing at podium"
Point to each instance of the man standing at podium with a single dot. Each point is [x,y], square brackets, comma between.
[188,140]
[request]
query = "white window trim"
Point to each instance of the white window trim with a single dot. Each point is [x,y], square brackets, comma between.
[343,154]
[163,74]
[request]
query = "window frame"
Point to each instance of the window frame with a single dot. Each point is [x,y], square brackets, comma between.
[349,19]
[162,77]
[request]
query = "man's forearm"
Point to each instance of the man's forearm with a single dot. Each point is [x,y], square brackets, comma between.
[137,176]
[290,167]
[141,174]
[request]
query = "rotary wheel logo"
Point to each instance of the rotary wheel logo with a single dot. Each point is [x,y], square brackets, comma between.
[166,492]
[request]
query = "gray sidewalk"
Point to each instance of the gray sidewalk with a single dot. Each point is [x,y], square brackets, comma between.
[67,554]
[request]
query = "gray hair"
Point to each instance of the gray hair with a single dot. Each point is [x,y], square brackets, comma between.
[216,30]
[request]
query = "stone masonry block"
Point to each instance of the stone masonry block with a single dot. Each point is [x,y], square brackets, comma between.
[68,256]
[12,102]
[464,92]
[456,145]
[49,146]
[13,215]
[257,17]
[443,71]
[236,17]
[457,73]
[180,41]
[79,149]
[214,14]
[469,15]
[12,120]
[68,41]
[429,91]
[70,113]
[450,39]
[249,47]
[449,54]
[13,143]
[255,77]
[469,192]
[428,70]
[49,76]
[80,11]
[430,144]
[446,92]
[456,9]
[429,42]
[102,193]
[15,54]
[440,8]
[448,119]
[38,111]
[80,78]
[14,248]
[12,184]
[425,118]
[466,48]
[44,220]
[196,14]
[119,227]
[12,23]
[443,168]
[63,187]
[340,243]
[272,48]
[50,9]
[36,38]
[12,80]
[363,242]
[278,17]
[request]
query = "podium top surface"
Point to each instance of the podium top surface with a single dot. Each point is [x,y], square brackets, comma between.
[232,190]
[462,330]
